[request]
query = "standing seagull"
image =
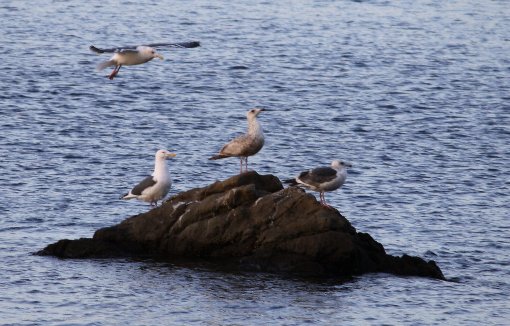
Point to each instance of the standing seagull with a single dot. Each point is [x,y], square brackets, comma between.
[245,145]
[135,55]
[156,186]
[323,179]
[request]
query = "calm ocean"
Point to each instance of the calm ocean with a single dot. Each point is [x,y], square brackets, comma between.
[415,94]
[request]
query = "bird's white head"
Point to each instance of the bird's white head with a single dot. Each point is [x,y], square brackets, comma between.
[337,164]
[149,52]
[164,154]
[254,112]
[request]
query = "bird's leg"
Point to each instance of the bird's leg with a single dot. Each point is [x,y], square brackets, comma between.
[114,72]
[246,163]
[323,201]
[241,164]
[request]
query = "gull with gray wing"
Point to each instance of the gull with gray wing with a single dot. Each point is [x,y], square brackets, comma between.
[322,179]
[156,186]
[135,55]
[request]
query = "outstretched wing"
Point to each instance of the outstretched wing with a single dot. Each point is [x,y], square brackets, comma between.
[98,50]
[188,45]
[144,184]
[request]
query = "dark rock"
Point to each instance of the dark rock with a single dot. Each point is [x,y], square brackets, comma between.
[251,222]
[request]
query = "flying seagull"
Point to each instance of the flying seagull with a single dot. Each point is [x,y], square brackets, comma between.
[322,179]
[156,186]
[245,145]
[135,55]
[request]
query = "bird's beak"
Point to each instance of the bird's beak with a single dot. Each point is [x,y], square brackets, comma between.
[171,155]
[157,55]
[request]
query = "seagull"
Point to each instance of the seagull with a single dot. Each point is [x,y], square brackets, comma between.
[322,179]
[245,145]
[156,186]
[135,55]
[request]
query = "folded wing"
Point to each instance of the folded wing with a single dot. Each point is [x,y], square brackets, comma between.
[317,176]
[144,184]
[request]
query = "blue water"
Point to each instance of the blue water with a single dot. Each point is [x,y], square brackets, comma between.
[414,94]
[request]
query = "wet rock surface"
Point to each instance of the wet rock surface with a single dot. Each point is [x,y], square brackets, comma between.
[251,222]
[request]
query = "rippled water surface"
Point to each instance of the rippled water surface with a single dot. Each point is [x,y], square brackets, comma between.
[415,94]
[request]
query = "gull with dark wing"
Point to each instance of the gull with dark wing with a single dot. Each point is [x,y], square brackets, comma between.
[156,186]
[135,55]
[245,145]
[322,179]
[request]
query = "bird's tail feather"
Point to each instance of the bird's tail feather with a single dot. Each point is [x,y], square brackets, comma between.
[217,157]
[127,196]
[105,64]
[291,182]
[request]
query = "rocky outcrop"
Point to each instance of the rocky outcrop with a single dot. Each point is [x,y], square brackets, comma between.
[248,221]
